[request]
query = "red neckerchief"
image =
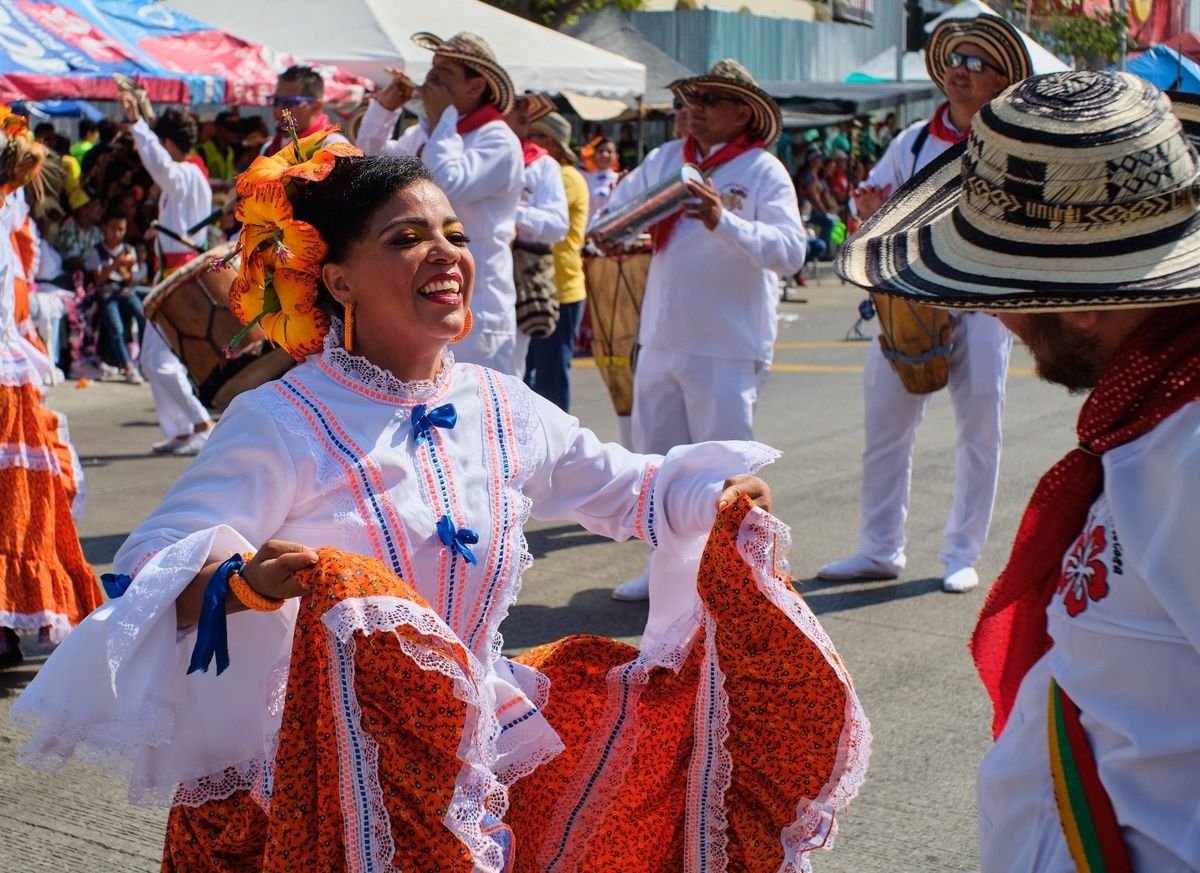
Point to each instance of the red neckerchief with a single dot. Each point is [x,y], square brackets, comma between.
[530,152]
[198,161]
[478,118]
[319,121]
[1154,373]
[661,232]
[940,128]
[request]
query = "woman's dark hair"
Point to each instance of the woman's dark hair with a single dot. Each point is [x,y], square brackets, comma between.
[179,127]
[342,206]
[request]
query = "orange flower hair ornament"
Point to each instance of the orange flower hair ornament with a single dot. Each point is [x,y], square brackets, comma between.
[21,158]
[276,285]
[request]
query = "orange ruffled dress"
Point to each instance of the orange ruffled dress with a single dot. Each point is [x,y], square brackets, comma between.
[45,582]
[737,760]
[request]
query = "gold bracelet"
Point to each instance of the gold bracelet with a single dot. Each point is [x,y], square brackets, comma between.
[250,598]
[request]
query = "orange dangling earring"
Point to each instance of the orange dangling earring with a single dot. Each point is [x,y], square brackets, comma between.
[462,334]
[348,333]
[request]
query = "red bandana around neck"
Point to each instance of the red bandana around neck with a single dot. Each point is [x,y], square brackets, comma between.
[939,126]
[319,121]
[661,232]
[530,152]
[478,118]
[1153,374]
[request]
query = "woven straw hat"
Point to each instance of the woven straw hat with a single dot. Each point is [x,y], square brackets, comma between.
[473,51]
[535,105]
[1075,190]
[729,75]
[991,33]
[558,129]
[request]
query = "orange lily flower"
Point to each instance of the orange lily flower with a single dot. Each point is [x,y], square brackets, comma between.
[305,159]
[283,302]
[269,231]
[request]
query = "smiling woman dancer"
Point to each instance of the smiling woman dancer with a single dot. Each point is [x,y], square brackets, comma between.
[363,701]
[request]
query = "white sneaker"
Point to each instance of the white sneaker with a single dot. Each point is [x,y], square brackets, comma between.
[133,377]
[637,588]
[192,445]
[859,568]
[169,445]
[959,578]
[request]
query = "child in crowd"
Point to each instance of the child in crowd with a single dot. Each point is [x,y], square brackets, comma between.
[112,265]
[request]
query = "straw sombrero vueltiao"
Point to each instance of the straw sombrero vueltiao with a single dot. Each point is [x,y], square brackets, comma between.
[1075,190]
[729,75]
[473,51]
[535,105]
[993,34]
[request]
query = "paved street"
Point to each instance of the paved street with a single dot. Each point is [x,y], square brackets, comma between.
[904,641]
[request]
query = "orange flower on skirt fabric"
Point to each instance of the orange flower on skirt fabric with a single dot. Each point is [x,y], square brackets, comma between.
[301,159]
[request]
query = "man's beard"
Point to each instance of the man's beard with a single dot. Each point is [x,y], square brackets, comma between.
[1063,354]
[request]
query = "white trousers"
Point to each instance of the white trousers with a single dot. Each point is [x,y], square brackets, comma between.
[490,349]
[978,367]
[175,402]
[679,399]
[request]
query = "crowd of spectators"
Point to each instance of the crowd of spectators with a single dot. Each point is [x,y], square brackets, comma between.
[98,257]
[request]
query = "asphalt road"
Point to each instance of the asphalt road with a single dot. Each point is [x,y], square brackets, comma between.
[904,641]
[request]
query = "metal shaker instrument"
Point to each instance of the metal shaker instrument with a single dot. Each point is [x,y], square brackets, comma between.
[651,207]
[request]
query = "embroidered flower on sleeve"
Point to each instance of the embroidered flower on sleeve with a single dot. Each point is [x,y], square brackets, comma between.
[1084,575]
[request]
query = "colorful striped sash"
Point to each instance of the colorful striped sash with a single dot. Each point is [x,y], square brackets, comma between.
[1088,820]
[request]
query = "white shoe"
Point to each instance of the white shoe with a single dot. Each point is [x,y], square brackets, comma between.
[959,578]
[193,444]
[859,568]
[637,588]
[169,445]
[133,377]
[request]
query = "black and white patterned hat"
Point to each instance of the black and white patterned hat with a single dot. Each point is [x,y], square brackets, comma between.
[473,51]
[1075,190]
[993,34]
[766,120]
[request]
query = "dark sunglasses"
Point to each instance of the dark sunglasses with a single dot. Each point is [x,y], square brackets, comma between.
[677,103]
[710,98]
[973,64]
[281,102]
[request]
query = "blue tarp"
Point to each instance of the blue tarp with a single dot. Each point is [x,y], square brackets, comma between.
[1166,69]
[58,109]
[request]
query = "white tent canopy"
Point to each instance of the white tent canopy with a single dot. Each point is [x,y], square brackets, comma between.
[882,67]
[364,36]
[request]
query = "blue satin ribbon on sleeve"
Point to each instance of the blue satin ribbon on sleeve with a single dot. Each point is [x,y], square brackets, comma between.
[212,634]
[115,584]
[423,422]
[457,540]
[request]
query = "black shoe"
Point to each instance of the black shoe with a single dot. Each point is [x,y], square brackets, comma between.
[12,655]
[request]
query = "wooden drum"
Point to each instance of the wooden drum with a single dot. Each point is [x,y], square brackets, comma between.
[615,286]
[191,308]
[916,342]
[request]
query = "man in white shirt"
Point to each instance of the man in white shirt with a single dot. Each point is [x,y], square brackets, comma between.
[299,90]
[972,61]
[476,159]
[185,201]
[708,317]
[1072,216]
[541,222]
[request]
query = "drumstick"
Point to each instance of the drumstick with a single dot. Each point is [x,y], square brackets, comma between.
[175,236]
[213,216]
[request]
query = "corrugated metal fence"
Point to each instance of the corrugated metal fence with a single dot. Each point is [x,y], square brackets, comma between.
[773,49]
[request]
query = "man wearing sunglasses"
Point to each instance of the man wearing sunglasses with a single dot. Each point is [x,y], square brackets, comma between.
[708,318]
[300,90]
[972,61]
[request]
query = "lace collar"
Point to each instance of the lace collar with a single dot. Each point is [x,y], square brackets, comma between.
[361,375]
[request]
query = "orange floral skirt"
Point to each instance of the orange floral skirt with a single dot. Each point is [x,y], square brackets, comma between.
[44,579]
[737,760]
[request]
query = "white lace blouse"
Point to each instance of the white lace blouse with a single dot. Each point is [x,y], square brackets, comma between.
[333,455]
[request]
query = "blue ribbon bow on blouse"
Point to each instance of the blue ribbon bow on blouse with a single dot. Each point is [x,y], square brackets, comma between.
[457,539]
[423,422]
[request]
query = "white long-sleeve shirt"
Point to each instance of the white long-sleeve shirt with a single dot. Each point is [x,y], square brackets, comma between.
[186,198]
[542,212]
[715,293]
[328,456]
[482,174]
[1125,625]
